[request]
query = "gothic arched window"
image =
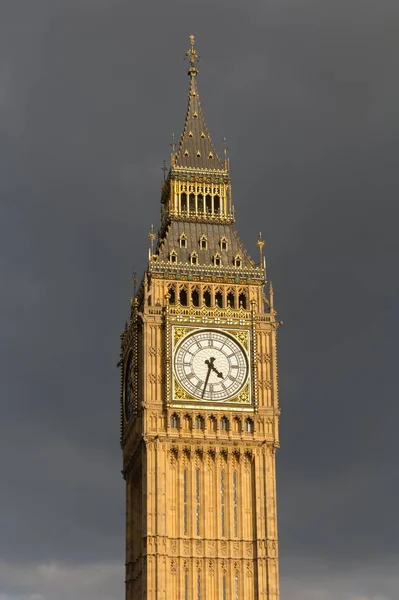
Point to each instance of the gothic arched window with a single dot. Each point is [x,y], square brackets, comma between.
[207,297]
[172,294]
[237,261]
[224,424]
[249,426]
[242,300]
[183,297]
[203,242]
[195,297]
[217,261]
[219,299]
[174,421]
[230,299]
[199,422]
[183,241]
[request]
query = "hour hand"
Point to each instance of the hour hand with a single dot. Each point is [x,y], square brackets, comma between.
[218,373]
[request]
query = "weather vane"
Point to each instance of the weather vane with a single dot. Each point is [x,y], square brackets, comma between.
[193,57]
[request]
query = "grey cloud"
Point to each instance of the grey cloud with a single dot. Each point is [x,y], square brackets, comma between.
[307,96]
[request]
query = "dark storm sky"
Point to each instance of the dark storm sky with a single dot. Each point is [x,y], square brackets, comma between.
[307,93]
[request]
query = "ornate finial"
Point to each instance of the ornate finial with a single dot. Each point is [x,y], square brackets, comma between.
[225,150]
[173,143]
[260,243]
[193,57]
[151,235]
[164,170]
[134,282]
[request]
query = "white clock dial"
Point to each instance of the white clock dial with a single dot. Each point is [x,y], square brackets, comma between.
[211,365]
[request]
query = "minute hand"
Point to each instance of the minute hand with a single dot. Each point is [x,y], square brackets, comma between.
[207,378]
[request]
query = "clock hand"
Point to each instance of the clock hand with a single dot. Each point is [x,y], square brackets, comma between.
[210,367]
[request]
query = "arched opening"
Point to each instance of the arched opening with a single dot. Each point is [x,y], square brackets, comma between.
[219,299]
[242,300]
[207,298]
[249,426]
[224,424]
[200,203]
[237,425]
[199,422]
[230,299]
[212,424]
[216,204]
[183,297]
[172,295]
[192,203]
[195,297]
[174,421]
[208,203]
[183,202]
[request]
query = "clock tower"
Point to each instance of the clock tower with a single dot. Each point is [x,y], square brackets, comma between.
[199,394]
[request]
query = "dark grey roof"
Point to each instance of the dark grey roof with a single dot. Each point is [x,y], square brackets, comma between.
[214,233]
[196,150]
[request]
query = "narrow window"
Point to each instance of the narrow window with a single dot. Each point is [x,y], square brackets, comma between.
[185,585]
[174,421]
[183,297]
[183,241]
[173,257]
[216,261]
[235,503]
[199,422]
[200,203]
[242,300]
[192,203]
[216,204]
[223,244]
[230,299]
[207,298]
[237,261]
[236,588]
[172,294]
[218,299]
[185,507]
[222,506]
[199,586]
[194,258]
[224,424]
[203,242]
[195,297]
[208,203]
[249,426]
[197,500]
[183,200]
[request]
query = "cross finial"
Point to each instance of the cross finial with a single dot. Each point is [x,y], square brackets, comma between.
[260,243]
[193,57]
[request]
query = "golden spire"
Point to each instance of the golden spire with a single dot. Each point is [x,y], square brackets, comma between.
[193,57]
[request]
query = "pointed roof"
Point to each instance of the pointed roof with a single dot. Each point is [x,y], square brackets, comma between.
[196,150]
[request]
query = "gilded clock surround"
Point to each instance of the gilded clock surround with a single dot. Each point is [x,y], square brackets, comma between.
[201,519]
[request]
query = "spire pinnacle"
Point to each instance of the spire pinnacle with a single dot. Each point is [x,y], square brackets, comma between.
[193,57]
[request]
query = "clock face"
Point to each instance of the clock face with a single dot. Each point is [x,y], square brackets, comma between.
[211,365]
[128,400]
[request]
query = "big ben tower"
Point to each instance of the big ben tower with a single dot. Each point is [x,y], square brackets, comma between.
[199,422]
